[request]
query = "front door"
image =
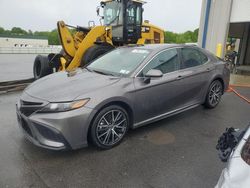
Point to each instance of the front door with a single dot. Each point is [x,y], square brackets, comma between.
[161,94]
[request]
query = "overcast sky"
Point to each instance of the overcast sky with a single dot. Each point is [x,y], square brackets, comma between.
[171,15]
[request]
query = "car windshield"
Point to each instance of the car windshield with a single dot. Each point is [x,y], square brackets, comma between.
[119,62]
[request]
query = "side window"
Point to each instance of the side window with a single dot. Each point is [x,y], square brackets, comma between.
[204,58]
[192,57]
[157,37]
[131,12]
[138,15]
[166,62]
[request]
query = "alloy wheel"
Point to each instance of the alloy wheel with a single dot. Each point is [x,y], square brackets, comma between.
[111,127]
[215,93]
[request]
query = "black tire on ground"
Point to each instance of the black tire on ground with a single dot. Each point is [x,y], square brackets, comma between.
[94,52]
[214,94]
[112,120]
[41,67]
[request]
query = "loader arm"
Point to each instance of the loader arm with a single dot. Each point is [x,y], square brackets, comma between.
[98,32]
[66,38]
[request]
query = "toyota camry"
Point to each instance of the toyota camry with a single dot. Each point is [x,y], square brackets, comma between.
[124,89]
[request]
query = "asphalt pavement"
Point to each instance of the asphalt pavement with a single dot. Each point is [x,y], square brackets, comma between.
[175,152]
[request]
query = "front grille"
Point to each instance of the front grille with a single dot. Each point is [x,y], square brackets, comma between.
[28,111]
[28,103]
[49,134]
[27,108]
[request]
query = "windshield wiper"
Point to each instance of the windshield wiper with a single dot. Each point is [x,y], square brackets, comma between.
[88,69]
[103,73]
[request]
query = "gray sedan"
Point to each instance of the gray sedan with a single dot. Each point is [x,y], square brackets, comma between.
[124,89]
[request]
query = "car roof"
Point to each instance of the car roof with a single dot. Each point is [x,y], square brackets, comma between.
[160,46]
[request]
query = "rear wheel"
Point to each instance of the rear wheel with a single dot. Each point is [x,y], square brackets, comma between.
[41,67]
[214,94]
[109,127]
[94,52]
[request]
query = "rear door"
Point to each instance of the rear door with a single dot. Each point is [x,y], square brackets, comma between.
[194,75]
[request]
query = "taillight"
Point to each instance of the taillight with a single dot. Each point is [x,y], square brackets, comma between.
[245,153]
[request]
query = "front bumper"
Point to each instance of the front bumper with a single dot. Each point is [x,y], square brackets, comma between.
[57,131]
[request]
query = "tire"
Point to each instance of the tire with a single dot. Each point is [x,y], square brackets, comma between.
[41,67]
[104,135]
[94,52]
[54,61]
[214,94]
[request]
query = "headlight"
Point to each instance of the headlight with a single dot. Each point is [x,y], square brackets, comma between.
[62,107]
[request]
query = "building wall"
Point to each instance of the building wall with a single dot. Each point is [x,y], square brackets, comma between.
[221,14]
[226,18]
[218,24]
[202,22]
[12,42]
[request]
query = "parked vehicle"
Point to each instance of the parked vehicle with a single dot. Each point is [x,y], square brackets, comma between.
[126,88]
[234,146]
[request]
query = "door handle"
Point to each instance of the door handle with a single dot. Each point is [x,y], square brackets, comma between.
[208,69]
[179,77]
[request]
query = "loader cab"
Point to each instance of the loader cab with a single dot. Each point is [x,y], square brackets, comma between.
[125,17]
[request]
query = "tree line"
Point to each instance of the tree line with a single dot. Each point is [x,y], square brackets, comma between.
[53,39]
[52,36]
[187,37]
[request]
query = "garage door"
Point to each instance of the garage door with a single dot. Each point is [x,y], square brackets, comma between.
[240,11]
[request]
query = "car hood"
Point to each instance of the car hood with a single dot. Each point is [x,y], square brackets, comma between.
[64,86]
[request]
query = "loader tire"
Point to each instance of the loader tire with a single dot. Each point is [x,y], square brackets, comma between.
[41,67]
[94,52]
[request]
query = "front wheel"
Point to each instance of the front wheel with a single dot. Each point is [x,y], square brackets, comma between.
[214,94]
[109,127]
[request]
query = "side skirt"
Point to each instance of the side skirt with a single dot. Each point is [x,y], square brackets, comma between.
[165,115]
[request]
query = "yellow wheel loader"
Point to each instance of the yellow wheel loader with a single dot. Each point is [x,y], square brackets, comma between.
[122,25]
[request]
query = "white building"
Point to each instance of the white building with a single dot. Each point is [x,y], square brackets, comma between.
[221,19]
[22,41]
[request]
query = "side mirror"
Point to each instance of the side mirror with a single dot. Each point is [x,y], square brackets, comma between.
[154,73]
[98,11]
